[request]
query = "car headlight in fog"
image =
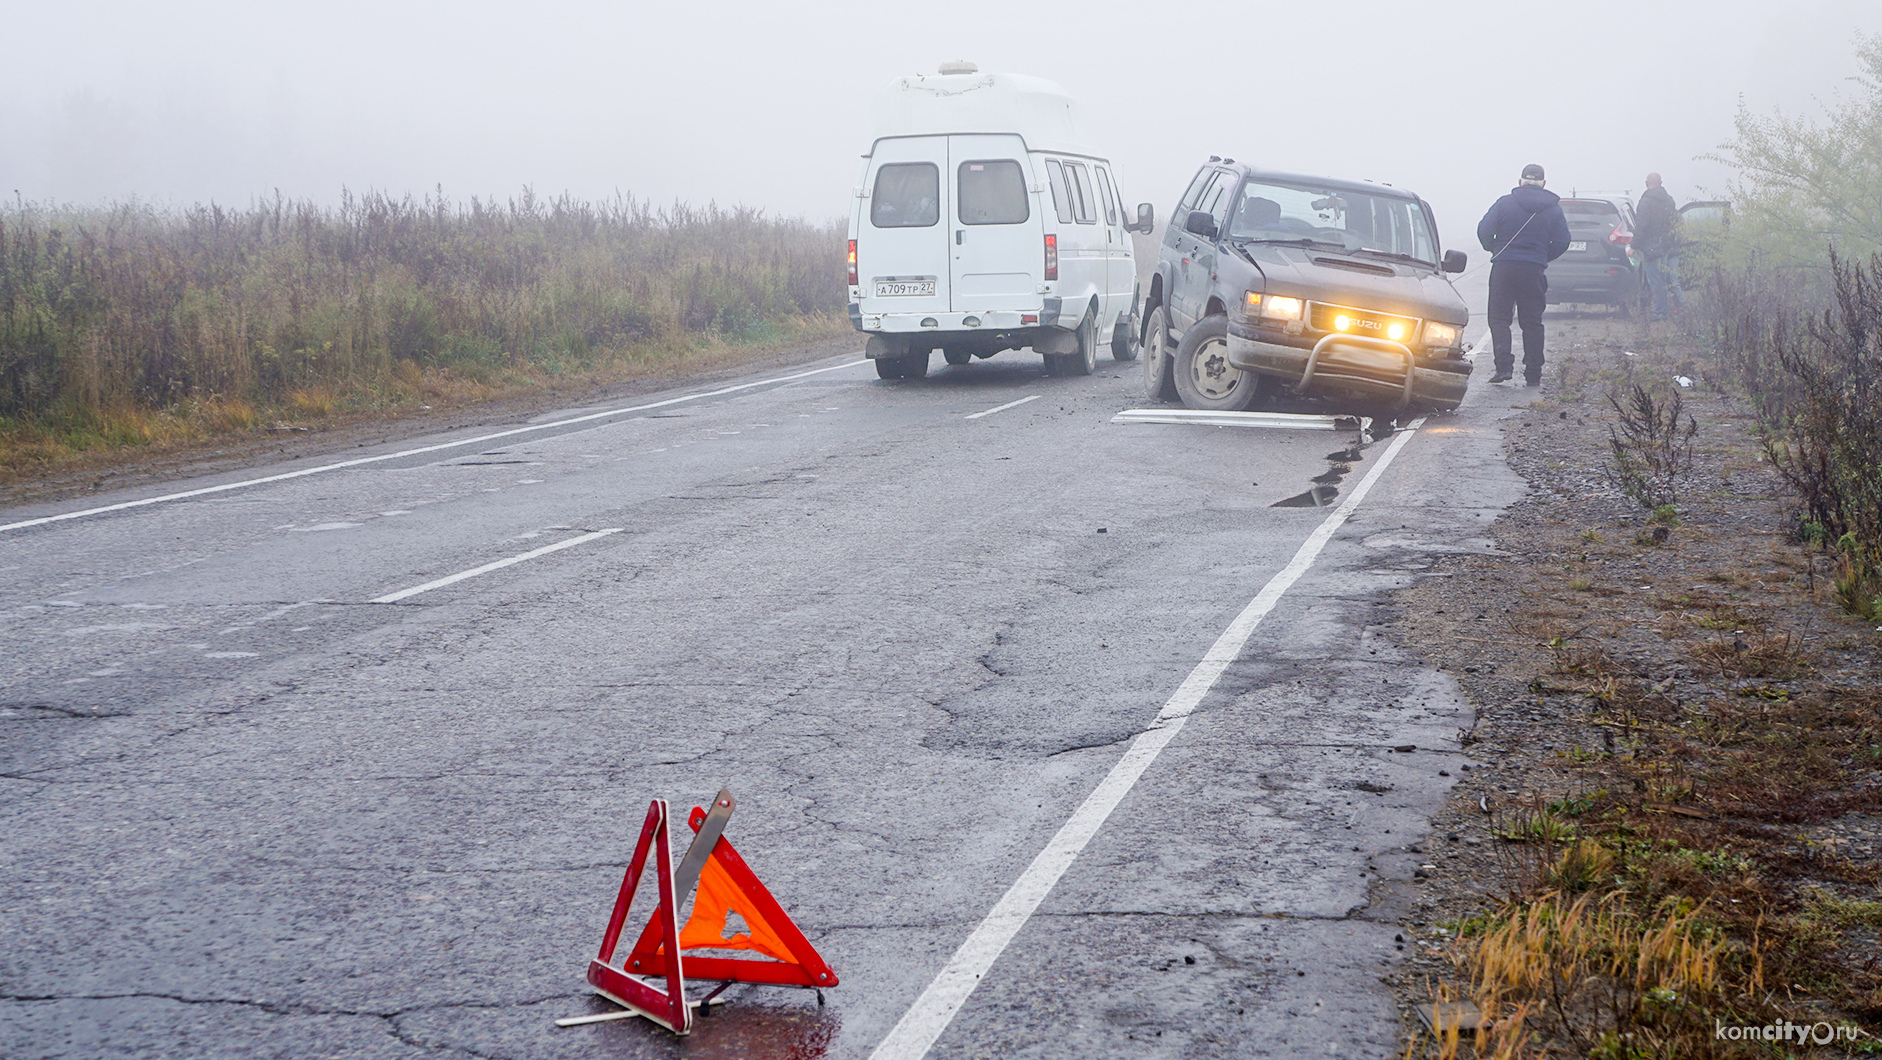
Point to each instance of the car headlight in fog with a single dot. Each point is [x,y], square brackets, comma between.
[1443,336]
[1280,307]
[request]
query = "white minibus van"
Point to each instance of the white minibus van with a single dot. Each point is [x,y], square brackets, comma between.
[984,223]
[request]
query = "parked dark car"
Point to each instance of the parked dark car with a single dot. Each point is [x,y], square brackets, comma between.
[1269,282]
[1596,270]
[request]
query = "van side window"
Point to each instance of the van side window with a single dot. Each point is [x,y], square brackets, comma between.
[1109,196]
[1061,199]
[907,195]
[993,192]
[1081,193]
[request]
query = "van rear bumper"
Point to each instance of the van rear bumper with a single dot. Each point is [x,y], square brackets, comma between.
[1047,315]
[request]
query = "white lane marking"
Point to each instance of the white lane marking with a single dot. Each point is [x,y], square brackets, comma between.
[479,440]
[918,1028]
[1002,408]
[392,598]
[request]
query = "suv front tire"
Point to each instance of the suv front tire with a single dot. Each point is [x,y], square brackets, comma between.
[1204,377]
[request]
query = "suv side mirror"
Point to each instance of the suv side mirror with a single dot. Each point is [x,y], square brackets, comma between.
[1454,261]
[1200,223]
[1146,219]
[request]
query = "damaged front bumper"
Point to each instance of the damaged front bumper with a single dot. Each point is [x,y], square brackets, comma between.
[1355,366]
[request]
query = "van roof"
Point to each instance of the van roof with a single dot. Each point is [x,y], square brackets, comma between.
[934,104]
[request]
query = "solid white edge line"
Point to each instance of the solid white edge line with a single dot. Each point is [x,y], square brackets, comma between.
[1001,408]
[393,598]
[922,1024]
[303,472]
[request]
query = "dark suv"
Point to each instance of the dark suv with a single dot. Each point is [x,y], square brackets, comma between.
[1596,270]
[1270,281]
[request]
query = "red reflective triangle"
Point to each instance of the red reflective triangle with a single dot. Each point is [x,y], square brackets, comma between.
[803,966]
[668,1009]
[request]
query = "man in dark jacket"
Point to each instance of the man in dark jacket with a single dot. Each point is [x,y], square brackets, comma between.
[1656,243]
[1524,231]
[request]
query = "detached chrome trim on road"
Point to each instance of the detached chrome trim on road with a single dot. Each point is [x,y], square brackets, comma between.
[1288,420]
[916,1031]
[479,440]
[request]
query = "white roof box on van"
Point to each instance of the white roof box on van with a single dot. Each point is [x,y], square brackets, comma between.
[973,102]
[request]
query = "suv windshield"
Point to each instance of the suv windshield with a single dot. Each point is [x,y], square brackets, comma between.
[1350,220]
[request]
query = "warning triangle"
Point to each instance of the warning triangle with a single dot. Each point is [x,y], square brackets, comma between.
[726,886]
[669,1008]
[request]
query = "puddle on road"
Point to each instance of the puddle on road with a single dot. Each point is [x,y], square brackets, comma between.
[1326,485]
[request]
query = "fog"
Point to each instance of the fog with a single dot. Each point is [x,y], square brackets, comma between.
[768,104]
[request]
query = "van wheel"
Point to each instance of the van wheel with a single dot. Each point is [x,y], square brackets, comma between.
[1085,361]
[1204,377]
[1123,343]
[888,368]
[915,364]
[954,355]
[1159,383]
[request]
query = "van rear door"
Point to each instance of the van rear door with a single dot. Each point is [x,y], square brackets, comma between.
[902,235]
[998,249]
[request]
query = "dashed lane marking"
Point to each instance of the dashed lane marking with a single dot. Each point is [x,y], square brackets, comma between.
[393,598]
[1002,408]
[479,440]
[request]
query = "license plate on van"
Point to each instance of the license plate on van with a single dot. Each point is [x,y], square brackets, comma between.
[904,288]
[1578,245]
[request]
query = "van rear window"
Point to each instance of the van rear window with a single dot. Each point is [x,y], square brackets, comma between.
[907,195]
[993,192]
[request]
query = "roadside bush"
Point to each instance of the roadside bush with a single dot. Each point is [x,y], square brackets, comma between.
[1806,182]
[1650,447]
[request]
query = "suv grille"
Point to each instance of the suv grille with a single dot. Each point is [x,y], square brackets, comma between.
[1324,317]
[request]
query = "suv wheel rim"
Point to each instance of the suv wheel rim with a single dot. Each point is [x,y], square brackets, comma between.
[1210,370]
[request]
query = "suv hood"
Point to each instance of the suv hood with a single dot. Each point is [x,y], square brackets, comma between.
[1324,274]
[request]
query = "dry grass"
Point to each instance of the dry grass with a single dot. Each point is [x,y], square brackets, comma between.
[130,327]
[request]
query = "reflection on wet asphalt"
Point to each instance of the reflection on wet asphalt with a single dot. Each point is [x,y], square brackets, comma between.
[742,1030]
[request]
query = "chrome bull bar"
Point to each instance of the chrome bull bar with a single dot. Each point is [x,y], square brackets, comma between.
[1364,342]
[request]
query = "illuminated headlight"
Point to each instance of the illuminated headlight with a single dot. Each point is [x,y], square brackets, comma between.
[1443,336]
[1395,332]
[1280,307]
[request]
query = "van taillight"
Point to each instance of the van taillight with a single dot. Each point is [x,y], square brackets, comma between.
[852,263]
[1052,257]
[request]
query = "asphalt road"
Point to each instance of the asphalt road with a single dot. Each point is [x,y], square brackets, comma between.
[262,798]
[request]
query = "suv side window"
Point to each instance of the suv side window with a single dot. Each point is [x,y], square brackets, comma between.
[1081,193]
[1188,201]
[1217,200]
[1109,195]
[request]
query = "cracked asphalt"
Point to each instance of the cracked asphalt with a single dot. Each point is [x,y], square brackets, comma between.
[250,813]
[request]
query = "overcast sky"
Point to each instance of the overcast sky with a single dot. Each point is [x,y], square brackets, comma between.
[768,103]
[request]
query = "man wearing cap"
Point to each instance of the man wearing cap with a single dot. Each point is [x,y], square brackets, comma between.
[1524,231]
[1656,241]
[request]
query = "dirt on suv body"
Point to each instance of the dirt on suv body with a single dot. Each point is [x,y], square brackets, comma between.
[1271,281]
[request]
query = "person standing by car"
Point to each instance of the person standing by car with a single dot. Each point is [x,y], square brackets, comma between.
[1524,231]
[1656,240]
